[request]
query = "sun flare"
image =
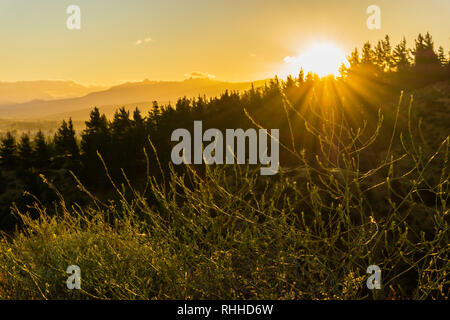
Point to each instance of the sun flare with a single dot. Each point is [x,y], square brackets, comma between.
[323,59]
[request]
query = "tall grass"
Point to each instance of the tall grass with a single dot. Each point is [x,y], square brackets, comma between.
[228,233]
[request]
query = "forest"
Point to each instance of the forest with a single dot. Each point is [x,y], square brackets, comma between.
[363,180]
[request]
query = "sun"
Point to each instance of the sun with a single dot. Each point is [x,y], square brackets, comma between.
[323,59]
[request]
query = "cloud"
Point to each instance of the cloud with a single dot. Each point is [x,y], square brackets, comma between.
[199,75]
[289,59]
[141,41]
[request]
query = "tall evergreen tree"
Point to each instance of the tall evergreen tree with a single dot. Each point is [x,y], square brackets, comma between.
[95,138]
[309,79]
[8,151]
[368,66]
[387,49]
[400,56]
[379,55]
[367,54]
[121,135]
[354,59]
[424,55]
[354,64]
[383,54]
[41,151]
[25,151]
[289,84]
[139,136]
[301,77]
[154,117]
[65,142]
[441,56]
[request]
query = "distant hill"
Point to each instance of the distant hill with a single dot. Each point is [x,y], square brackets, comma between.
[125,94]
[108,110]
[25,91]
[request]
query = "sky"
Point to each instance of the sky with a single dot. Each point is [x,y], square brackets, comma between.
[232,40]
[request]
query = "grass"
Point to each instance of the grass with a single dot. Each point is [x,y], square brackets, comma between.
[228,233]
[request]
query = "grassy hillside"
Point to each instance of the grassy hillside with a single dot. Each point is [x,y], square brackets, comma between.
[363,181]
[228,233]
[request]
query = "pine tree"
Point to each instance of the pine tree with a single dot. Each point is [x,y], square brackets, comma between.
[441,56]
[121,135]
[379,56]
[289,84]
[343,70]
[95,138]
[8,151]
[354,64]
[429,43]
[354,58]
[368,66]
[97,122]
[137,118]
[309,79]
[367,54]
[25,151]
[400,56]
[301,77]
[66,144]
[386,64]
[121,123]
[154,116]
[424,54]
[41,151]
[139,135]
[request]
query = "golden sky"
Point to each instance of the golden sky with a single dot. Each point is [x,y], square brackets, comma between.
[234,40]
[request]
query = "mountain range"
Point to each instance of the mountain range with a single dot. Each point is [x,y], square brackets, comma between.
[59,100]
[24,91]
